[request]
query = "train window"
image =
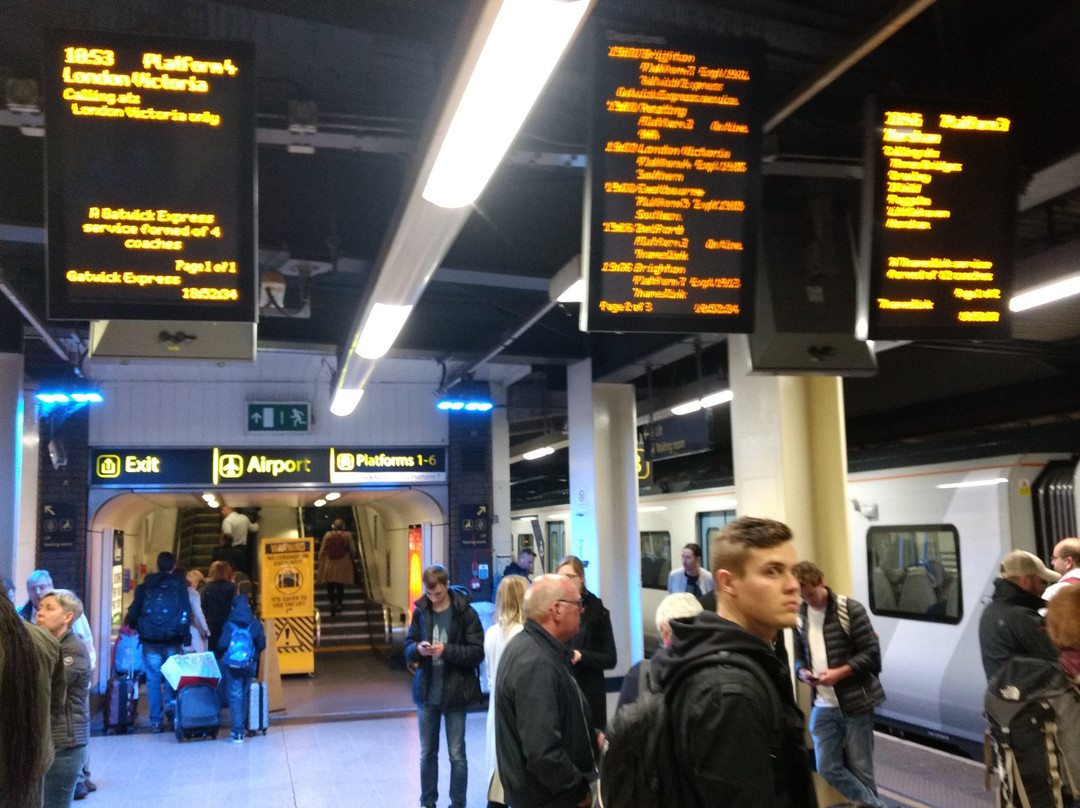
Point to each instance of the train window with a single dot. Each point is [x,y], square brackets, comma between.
[915,572]
[655,558]
[556,537]
[709,525]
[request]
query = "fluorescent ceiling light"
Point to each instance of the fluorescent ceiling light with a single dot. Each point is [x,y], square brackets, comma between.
[1046,294]
[541,452]
[319,503]
[975,483]
[652,508]
[381,329]
[525,43]
[345,401]
[332,496]
[687,407]
[721,397]
[208,497]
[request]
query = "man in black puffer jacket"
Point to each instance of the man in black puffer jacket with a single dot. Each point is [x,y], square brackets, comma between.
[837,653]
[445,644]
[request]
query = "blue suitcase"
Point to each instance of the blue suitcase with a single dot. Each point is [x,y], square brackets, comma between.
[197,714]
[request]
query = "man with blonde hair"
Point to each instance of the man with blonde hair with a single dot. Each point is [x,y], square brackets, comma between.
[544,741]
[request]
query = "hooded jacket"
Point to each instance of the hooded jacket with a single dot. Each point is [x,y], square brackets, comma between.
[1011,626]
[731,751]
[861,650]
[462,656]
[241,615]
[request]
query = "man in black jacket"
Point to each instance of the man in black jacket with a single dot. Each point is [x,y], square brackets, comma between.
[160,613]
[544,742]
[837,653]
[739,734]
[445,644]
[1010,624]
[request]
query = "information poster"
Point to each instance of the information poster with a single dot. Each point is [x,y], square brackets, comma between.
[150,146]
[288,596]
[943,221]
[674,183]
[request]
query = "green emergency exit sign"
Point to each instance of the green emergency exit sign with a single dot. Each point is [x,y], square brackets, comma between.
[293,416]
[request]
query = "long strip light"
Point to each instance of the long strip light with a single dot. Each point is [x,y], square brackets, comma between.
[526,41]
[1042,295]
[345,401]
[703,403]
[975,483]
[535,454]
[383,325]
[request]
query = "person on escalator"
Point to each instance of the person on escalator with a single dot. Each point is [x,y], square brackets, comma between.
[337,556]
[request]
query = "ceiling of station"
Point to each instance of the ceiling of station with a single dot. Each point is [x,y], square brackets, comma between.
[373,67]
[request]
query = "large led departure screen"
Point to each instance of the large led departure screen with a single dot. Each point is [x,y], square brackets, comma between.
[150,166]
[945,198]
[675,179]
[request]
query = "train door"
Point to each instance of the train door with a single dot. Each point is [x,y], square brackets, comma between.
[556,545]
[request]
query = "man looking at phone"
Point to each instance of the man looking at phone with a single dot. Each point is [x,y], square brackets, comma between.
[838,655]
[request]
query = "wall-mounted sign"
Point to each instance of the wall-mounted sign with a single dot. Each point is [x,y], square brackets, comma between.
[293,416]
[266,467]
[150,165]
[57,526]
[943,177]
[674,183]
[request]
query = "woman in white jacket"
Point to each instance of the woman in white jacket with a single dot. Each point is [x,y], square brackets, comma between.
[199,630]
[509,620]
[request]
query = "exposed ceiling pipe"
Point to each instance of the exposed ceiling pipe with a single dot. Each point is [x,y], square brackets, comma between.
[16,301]
[830,73]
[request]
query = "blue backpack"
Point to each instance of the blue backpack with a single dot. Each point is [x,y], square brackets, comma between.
[241,651]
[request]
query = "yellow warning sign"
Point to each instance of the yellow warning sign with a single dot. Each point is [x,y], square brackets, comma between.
[288,595]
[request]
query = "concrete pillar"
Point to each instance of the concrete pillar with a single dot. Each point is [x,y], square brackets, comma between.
[11,440]
[603,501]
[789,450]
[501,539]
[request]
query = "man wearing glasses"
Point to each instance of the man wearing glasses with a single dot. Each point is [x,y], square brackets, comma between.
[1066,562]
[544,743]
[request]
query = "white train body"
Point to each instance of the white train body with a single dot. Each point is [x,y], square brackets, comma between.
[905,525]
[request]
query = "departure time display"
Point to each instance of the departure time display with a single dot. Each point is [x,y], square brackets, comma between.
[151,178]
[945,198]
[675,173]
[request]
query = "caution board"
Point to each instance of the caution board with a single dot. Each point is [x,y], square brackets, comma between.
[288,596]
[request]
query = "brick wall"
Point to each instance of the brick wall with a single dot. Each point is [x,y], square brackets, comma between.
[62,492]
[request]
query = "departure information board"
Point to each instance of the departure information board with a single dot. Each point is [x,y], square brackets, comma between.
[943,221]
[674,184]
[150,168]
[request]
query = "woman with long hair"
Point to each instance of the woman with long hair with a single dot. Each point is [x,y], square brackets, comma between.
[593,646]
[57,612]
[509,620]
[31,679]
[217,601]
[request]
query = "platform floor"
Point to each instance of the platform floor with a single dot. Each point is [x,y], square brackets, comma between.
[350,738]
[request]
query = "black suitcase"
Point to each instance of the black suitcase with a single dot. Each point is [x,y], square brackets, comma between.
[258,710]
[197,714]
[121,704]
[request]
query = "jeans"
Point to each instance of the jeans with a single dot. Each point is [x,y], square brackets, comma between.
[844,749]
[236,685]
[154,655]
[429,718]
[61,777]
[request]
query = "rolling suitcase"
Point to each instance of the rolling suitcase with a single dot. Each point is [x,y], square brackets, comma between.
[121,704]
[197,714]
[258,710]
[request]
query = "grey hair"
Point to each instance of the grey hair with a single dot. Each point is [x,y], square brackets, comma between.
[39,576]
[542,594]
[68,600]
[680,604]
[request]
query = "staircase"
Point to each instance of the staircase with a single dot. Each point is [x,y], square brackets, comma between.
[358,627]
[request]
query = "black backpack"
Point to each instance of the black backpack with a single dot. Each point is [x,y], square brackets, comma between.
[164,616]
[639,766]
[1033,740]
